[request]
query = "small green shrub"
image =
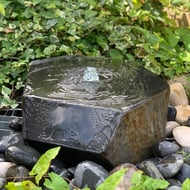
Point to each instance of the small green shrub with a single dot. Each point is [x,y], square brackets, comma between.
[120,29]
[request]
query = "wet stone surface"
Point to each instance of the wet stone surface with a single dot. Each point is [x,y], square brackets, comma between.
[22,154]
[89,174]
[95,105]
[161,164]
[170,165]
[165,148]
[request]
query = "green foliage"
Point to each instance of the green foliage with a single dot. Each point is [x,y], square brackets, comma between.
[56,182]
[2,9]
[141,181]
[186,184]
[181,3]
[42,166]
[112,181]
[5,100]
[24,185]
[120,29]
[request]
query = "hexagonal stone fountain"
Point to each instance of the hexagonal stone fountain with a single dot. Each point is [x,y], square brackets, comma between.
[115,110]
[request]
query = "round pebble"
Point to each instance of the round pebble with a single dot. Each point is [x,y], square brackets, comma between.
[178,95]
[183,113]
[165,148]
[89,174]
[4,166]
[22,154]
[17,173]
[15,138]
[170,165]
[170,125]
[184,173]
[171,113]
[150,169]
[174,188]
[174,182]
[182,135]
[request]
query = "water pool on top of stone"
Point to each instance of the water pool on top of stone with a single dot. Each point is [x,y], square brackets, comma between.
[120,84]
[120,107]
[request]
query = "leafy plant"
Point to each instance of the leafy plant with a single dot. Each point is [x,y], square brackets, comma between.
[141,181]
[186,184]
[53,181]
[112,181]
[56,182]
[39,170]
[120,29]
[42,166]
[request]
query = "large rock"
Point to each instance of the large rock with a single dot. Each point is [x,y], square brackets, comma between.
[117,112]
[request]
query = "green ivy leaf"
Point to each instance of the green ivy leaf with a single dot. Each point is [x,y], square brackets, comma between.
[35,2]
[137,4]
[56,182]
[89,14]
[172,37]
[185,56]
[2,9]
[24,185]
[115,54]
[140,181]
[50,49]
[42,165]
[5,91]
[186,184]
[112,181]
[185,36]
[51,23]
[102,42]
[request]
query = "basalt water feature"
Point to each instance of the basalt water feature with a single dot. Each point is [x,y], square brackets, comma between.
[113,110]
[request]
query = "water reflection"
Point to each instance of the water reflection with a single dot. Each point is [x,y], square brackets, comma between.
[120,84]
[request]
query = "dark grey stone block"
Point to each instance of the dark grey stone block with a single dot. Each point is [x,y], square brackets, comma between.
[118,117]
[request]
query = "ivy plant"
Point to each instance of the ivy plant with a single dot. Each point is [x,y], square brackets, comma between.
[120,29]
[53,181]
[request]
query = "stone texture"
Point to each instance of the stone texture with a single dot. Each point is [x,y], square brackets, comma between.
[22,154]
[17,173]
[2,182]
[171,113]
[4,168]
[9,140]
[89,174]
[183,112]
[118,117]
[178,95]
[174,188]
[184,173]
[170,165]
[150,169]
[16,124]
[174,182]
[182,135]
[170,125]
[165,148]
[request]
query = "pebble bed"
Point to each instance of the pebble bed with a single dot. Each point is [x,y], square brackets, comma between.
[170,160]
